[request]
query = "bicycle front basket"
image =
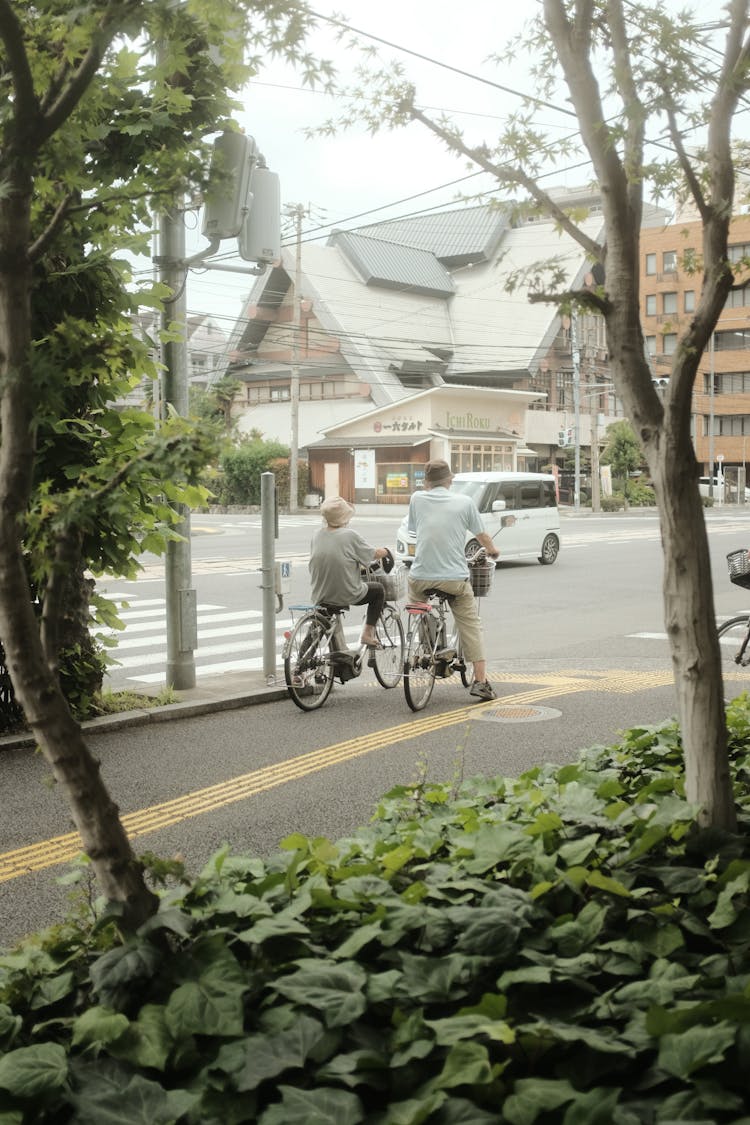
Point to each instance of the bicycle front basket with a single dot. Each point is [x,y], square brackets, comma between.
[481,575]
[394,583]
[739,568]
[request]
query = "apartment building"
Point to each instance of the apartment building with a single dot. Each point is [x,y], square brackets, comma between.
[670,288]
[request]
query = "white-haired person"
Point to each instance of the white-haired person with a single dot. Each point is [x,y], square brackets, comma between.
[337,556]
[440,519]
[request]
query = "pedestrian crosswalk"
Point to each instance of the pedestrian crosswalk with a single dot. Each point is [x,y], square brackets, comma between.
[228,641]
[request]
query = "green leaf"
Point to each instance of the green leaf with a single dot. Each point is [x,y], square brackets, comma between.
[467,1064]
[532,1096]
[314,1107]
[201,1008]
[726,912]
[334,990]
[606,883]
[594,1107]
[123,967]
[32,1072]
[695,1048]
[107,1093]
[251,1061]
[147,1042]
[98,1026]
[49,990]
[447,1031]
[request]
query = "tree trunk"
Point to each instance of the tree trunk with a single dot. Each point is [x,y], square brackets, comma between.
[103,837]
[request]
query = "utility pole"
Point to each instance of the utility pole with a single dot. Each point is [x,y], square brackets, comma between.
[297,211]
[711,420]
[182,613]
[576,408]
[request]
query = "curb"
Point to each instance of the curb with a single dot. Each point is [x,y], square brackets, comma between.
[187,709]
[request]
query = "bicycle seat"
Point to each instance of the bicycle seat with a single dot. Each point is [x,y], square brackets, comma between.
[333,608]
[435,593]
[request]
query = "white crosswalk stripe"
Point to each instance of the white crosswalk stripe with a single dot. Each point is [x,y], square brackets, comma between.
[141,650]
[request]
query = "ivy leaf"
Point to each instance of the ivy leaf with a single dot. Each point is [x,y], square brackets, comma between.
[447,1031]
[695,1048]
[200,1008]
[314,1107]
[726,912]
[250,1061]
[336,990]
[467,1064]
[121,968]
[147,1042]
[31,1072]
[98,1026]
[532,1096]
[110,1095]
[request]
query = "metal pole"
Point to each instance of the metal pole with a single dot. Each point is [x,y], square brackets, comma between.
[576,408]
[268,573]
[294,381]
[595,490]
[182,617]
[711,418]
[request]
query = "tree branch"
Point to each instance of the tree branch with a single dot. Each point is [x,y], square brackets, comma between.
[67,558]
[40,244]
[26,105]
[511,176]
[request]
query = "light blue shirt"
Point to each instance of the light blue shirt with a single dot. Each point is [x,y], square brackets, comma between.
[440,519]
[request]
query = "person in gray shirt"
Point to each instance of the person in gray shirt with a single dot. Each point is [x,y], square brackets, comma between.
[440,520]
[337,555]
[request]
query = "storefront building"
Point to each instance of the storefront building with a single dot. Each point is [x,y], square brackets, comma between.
[379,457]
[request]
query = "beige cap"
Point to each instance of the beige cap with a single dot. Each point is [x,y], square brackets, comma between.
[336,511]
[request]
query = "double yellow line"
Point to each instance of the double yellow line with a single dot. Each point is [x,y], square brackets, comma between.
[62,849]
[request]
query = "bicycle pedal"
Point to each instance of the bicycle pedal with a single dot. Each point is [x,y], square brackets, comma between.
[443,670]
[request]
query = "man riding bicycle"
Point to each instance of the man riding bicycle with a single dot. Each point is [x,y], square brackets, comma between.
[440,520]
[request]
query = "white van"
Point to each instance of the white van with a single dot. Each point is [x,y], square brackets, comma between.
[519,511]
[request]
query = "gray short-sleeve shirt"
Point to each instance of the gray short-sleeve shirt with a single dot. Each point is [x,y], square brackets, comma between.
[336,555]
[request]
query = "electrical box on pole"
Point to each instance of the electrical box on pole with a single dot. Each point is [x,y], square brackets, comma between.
[260,235]
[229,194]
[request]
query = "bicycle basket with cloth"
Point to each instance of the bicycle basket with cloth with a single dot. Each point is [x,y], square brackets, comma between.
[394,583]
[480,576]
[739,568]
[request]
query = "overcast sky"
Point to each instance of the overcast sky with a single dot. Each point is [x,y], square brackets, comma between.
[356,178]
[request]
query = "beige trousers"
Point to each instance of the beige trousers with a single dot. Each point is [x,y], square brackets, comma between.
[463,607]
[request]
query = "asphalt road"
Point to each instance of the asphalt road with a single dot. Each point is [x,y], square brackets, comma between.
[565,653]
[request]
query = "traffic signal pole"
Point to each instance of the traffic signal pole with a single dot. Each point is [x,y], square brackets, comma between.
[181,603]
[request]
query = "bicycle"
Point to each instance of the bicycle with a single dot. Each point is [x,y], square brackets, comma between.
[315,652]
[432,652]
[734,634]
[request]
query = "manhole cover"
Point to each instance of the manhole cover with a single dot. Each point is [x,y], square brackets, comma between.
[514,713]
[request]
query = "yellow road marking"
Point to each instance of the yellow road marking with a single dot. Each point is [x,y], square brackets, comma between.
[62,849]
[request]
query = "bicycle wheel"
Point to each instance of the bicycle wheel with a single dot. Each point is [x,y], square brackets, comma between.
[419,666]
[388,661]
[731,635]
[308,670]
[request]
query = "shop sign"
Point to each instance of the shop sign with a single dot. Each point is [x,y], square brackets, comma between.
[398,481]
[398,426]
[467,421]
[364,468]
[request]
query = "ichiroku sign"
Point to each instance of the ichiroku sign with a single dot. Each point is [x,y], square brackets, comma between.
[467,421]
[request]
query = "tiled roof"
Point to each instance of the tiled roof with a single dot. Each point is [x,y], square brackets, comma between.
[394,266]
[456,237]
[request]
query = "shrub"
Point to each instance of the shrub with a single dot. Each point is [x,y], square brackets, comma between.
[614,503]
[567,946]
[641,496]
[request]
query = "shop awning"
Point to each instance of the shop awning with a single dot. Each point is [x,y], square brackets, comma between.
[478,436]
[377,441]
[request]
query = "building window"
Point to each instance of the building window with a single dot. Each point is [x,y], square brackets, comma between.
[650,342]
[731,341]
[669,343]
[737,298]
[651,265]
[738,251]
[689,300]
[469,458]
[669,261]
[651,304]
[280,394]
[669,302]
